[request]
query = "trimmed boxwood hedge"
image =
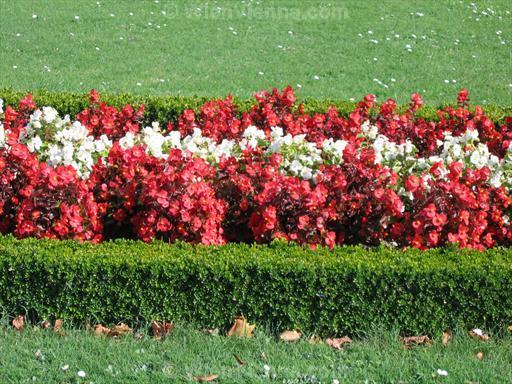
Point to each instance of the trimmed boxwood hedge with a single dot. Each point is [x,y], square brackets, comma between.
[167,108]
[344,291]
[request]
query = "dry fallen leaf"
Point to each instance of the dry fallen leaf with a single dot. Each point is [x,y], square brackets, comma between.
[315,339]
[161,329]
[339,342]
[241,328]
[101,330]
[119,330]
[138,336]
[38,354]
[57,327]
[204,379]
[478,334]
[239,360]
[480,356]
[415,340]
[263,356]
[211,331]
[18,322]
[447,336]
[510,328]
[290,336]
[45,324]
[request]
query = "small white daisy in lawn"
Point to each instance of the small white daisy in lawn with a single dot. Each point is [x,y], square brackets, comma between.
[164,13]
[231,28]
[300,86]
[77,17]
[18,34]
[388,38]
[393,80]
[447,81]
[131,13]
[261,73]
[442,372]
[121,38]
[266,368]
[34,16]
[280,46]
[510,85]
[382,18]
[71,34]
[316,77]
[112,15]
[408,46]
[498,33]
[413,36]
[420,14]
[335,381]
[97,3]
[234,33]
[473,56]
[352,99]
[290,32]
[454,81]
[397,35]
[360,34]
[375,59]
[97,48]
[139,84]
[81,374]
[65,367]
[374,41]
[14,66]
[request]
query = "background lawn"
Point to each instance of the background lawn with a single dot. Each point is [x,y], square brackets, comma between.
[337,49]
[39,356]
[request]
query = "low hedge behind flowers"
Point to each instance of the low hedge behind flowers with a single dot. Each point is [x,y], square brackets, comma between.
[215,175]
[331,292]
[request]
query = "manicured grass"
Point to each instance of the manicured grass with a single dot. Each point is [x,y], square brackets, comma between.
[212,48]
[379,358]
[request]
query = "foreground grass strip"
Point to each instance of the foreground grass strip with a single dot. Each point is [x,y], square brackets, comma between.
[42,356]
[331,293]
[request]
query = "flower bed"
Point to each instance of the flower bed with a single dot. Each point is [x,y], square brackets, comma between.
[274,172]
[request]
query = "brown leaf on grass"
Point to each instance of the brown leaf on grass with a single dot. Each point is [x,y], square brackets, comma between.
[238,359]
[19,323]
[101,330]
[138,336]
[315,339]
[479,356]
[339,342]
[57,327]
[416,340]
[263,356]
[45,324]
[510,328]
[119,330]
[241,328]
[161,329]
[290,336]
[204,379]
[478,334]
[447,336]
[38,354]
[211,331]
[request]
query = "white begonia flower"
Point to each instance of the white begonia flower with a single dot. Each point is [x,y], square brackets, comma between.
[127,141]
[173,139]
[49,114]
[276,132]
[470,135]
[34,144]
[2,135]
[306,173]
[295,167]
[1,106]
[55,155]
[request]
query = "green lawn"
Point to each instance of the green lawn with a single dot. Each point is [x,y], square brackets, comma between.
[218,47]
[39,356]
